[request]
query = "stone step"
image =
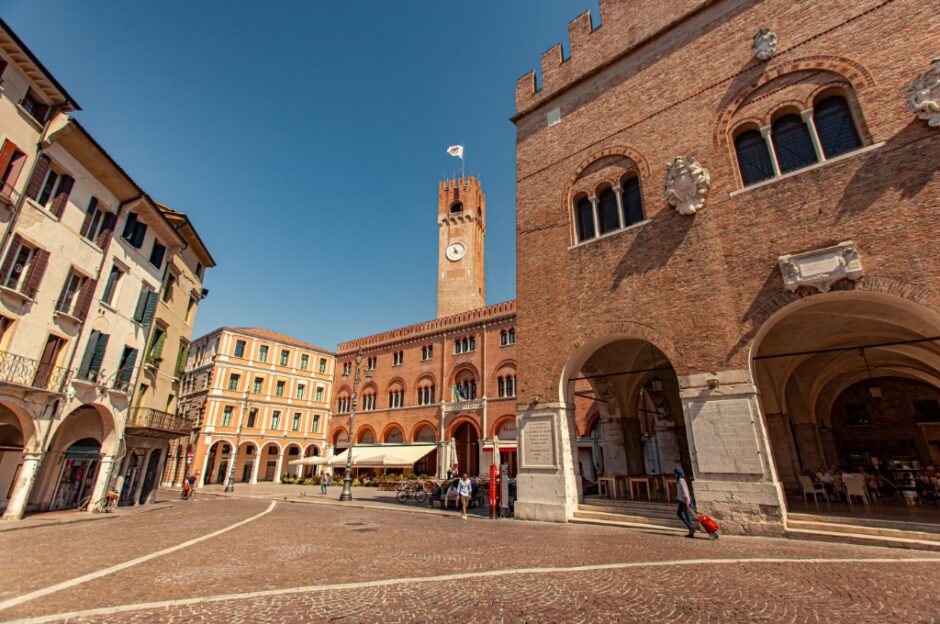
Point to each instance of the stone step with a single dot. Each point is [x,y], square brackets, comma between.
[862,539]
[666,521]
[867,522]
[665,514]
[873,529]
[626,522]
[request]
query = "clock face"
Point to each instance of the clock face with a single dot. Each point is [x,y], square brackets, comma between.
[455,251]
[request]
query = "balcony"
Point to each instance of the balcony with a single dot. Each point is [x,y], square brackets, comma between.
[8,196]
[152,423]
[23,371]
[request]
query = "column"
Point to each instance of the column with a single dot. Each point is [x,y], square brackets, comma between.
[483,467]
[621,218]
[152,497]
[807,117]
[139,487]
[597,222]
[548,486]
[201,481]
[254,469]
[104,478]
[280,462]
[765,132]
[24,486]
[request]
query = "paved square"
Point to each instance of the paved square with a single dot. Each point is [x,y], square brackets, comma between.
[294,562]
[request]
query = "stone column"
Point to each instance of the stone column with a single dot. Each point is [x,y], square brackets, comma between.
[621,217]
[16,507]
[548,487]
[597,223]
[142,476]
[103,479]
[734,478]
[765,132]
[152,497]
[615,447]
[807,117]
[280,462]
[201,481]
[254,469]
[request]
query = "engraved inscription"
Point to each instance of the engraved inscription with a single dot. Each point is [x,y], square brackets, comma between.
[538,443]
[724,435]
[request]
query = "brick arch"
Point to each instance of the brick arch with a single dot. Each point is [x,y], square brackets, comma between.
[856,74]
[462,367]
[426,376]
[388,428]
[418,426]
[344,389]
[504,364]
[370,386]
[396,380]
[639,159]
[362,429]
[499,423]
[458,422]
[336,432]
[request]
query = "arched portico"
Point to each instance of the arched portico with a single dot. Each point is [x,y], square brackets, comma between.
[850,380]
[19,457]
[270,458]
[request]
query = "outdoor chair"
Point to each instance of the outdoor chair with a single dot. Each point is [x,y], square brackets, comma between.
[855,487]
[812,489]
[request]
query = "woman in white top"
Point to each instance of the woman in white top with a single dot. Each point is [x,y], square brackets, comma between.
[464,489]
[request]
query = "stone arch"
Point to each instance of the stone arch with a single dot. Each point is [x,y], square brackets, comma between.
[393,381]
[14,417]
[464,366]
[421,424]
[458,422]
[312,450]
[429,377]
[499,423]
[337,433]
[853,72]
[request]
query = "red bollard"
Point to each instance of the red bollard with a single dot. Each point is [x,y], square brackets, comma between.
[494,510]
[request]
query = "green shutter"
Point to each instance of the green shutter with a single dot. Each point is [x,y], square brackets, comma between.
[157,351]
[181,360]
[141,303]
[127,368]
[150,307]
[94,366]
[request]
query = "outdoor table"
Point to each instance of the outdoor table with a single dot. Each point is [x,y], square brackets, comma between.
[635,483]
[613,486]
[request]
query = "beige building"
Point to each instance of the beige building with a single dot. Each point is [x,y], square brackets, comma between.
[260,392]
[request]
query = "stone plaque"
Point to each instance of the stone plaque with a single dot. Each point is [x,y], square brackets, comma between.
[538,442]
[724,436]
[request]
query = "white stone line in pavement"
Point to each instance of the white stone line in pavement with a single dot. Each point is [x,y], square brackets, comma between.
[78,580]
[448,577]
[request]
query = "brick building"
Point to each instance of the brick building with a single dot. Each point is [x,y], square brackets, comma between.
[445,387]
[258,391]
[726,229]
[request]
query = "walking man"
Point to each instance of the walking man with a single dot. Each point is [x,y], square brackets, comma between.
[685,502]
[192,485]
[324,480]
[464,490]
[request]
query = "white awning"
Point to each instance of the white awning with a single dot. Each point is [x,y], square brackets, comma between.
[316,460]
[384,455]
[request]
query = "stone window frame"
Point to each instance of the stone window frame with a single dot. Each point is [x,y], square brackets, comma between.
[580,193]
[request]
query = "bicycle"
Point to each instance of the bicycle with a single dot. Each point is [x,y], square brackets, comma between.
[411,491]
[105,505]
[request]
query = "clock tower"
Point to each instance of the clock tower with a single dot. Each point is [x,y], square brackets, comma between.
[461,220]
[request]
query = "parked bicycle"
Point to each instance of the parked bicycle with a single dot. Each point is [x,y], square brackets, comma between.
[104,505]
[411,491]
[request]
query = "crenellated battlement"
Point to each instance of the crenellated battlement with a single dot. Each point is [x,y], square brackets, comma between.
[625,24]
[467,191]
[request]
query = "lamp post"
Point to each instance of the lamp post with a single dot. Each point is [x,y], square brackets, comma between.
[346,494]
[230,485]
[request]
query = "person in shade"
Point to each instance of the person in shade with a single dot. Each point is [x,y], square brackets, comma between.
[685,502]
[325,477]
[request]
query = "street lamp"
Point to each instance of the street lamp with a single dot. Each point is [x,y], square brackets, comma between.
[230,485]
[346,494]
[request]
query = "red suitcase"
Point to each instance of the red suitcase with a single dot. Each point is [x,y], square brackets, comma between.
[708,524]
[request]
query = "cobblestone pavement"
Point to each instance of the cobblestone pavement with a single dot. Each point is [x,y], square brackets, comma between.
[319,563]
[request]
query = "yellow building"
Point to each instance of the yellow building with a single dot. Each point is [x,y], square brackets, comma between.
[258,391]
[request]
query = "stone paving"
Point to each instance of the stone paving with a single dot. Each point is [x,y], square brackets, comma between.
[324,563]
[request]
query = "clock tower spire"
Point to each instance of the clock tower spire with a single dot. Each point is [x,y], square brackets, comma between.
[461,220]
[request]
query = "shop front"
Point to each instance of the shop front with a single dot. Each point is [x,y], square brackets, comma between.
[79,471]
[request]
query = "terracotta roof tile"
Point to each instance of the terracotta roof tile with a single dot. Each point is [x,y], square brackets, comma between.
[273,336]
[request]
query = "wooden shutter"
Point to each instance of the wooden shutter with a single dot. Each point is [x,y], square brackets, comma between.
[151,306]
[84,298]
[62,195]
[128,368]
[107,229]
[157,350]
[11,256]
[129,225]
[141,303]
[181,360]
[65,289]
[6,156]
[39,174]
[89,215]
[97,356]
[37,268]
[89,351]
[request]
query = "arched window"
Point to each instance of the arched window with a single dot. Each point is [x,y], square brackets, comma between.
[608,216]
[632,201]
[753,158]
[585,219]
[425,392]
[792,143]
[366,437]
[835,126]
[456,207]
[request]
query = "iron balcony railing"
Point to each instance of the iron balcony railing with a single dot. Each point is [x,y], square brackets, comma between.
[156,420]
[24,371]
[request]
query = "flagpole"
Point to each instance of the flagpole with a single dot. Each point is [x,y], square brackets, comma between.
[463,161]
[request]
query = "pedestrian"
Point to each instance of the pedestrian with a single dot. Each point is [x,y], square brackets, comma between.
[192,485]
[324,480]
[464,490]
[685,502]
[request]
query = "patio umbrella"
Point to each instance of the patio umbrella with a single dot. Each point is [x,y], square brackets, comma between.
[453,454]
[496,458]
[316,460]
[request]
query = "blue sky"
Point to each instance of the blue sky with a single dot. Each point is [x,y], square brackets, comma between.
[306,139]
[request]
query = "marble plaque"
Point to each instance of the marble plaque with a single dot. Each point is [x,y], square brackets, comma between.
[724,436]
[538,442]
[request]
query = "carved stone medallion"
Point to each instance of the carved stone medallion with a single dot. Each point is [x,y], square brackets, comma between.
[686,185]
[765,44]
[923,96]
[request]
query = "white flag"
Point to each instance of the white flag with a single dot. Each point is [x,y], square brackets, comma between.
[455,150]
